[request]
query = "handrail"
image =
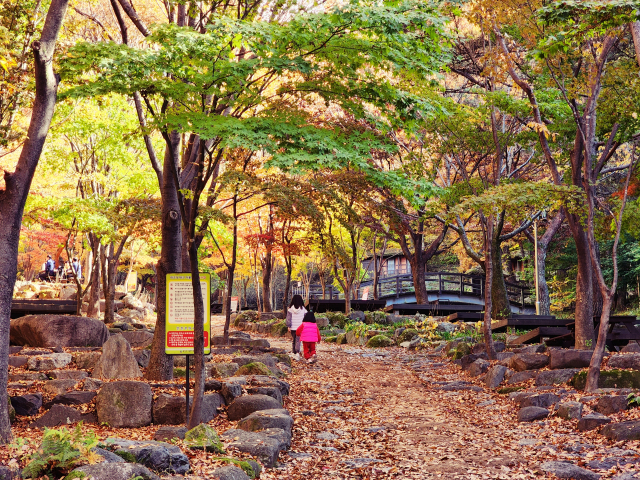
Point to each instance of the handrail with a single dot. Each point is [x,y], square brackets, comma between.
[463,284]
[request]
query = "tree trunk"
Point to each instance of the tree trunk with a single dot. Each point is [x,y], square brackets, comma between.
[17,184]
[500,305]
[160,364]
[230,274]
[94,291]
[635,33]
[198,338]
[110,285]
[417,272]
[488,286]
[543,246]
[584,287]
[267,267]
[287,284]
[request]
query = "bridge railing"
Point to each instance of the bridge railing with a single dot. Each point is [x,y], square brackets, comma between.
[442,283]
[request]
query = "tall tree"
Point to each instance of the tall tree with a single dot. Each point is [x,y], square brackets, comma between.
[13,197]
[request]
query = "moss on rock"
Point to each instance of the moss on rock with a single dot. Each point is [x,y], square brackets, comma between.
[251,468]
[408,335]
[338,319]
[507,390]
[379,341]
[279,329]
[331,339]
[282,358]
[609,379]
[254,368]
[203,437]
[461,350]
[341,339]
[126,456]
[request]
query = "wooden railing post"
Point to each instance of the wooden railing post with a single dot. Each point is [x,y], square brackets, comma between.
[397,287]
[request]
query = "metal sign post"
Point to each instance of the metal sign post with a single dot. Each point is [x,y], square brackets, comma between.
[180,316]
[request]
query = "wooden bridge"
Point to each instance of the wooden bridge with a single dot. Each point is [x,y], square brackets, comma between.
[442,288]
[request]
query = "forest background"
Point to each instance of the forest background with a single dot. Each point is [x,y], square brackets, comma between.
[272,142]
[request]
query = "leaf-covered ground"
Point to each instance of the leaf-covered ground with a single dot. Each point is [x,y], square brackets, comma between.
[378,413]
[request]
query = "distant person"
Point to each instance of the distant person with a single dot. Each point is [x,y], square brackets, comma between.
[309,334]
[76,268]
[295,315]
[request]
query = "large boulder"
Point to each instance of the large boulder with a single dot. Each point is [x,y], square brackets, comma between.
[50,361]
[528,361]
[609,404]
[61,415]
[257,444]
[622,431]
[629,360]
[495,376]
[86,360]
[568,358]
[231,390]
[478,367]
[592,421]
[138,338]
[117,360]
[219,370]
[266,381]
[114,471]
[58,387]
[264,419]
[204,437]
[73,398]
[523,376]
[159,456]
[169,410]
[610,379]
[542,400]
[230,472]
[555,377]
[246,405]
[531,414]
[58,331]
[125,404]
[211,404]
[570,410]
[568,471]
[27,405]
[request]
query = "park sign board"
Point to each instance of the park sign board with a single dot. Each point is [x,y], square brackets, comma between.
[180,313]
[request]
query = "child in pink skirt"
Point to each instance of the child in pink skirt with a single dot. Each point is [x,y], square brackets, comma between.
[309,334]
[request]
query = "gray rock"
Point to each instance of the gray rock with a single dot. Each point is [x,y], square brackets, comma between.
[467,360]
[326,436]
[69,374]
[246,405]
[61,415]
[166,434]
[212,402]
[266,381]
[531,414]
[49,362]
[360,462]
[220,370]
[528,361]
[568,358]
[357,316]
[622,476]
[446,327]
[478,367]
[138,338]
[264,419]
[523,376]
[7,473]
[109,457]
[92,384]
[86,360]
[158,456]
[58,331]
[27,405]
[629,360]
[555,377]
[273,392]
[169,410]
[18,361]
[570,410]
[58,387]
[142,356]
[567,470]
[257,444]
[622,431]
[117,361]
[230,391]
[495,376]
[631,347]
[212,385]
[230,472]
[115,471]
[284,438]
[541,400]
[504,356]
[609,404]
[27,377]
[239,380]
[124,404]
[592,421]
[73,398]
[537,348]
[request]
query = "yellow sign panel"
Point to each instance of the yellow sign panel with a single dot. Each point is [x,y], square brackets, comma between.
[132,282]
[180,313]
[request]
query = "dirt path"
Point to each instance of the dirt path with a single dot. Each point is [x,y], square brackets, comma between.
[382,413]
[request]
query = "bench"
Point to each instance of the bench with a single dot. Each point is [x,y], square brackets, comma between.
[21,307]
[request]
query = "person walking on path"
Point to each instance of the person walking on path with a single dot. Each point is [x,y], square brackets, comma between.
[295,314]
[309,334]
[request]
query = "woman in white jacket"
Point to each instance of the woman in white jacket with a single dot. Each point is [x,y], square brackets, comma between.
[295,314]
